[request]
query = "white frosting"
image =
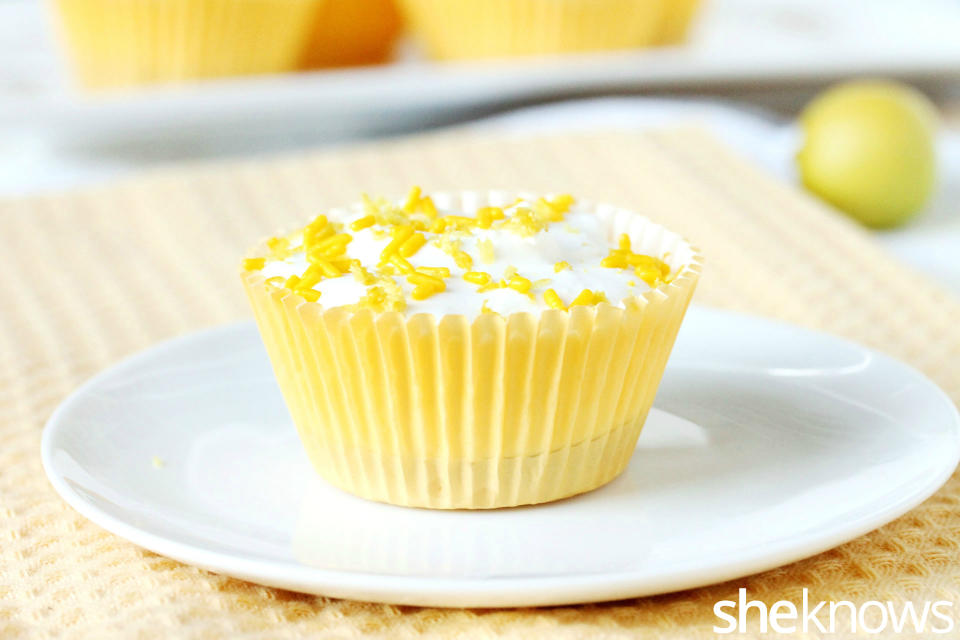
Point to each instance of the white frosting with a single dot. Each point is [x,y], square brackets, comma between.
[582,239]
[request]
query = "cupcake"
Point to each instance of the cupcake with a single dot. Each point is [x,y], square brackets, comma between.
[470,350]
[166,41]
[352,33]
[452,29]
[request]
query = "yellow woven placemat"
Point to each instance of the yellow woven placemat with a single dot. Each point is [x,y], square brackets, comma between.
[91,276]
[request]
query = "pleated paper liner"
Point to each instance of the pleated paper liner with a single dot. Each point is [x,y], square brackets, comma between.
[446,413]
[129,42]
[501,28]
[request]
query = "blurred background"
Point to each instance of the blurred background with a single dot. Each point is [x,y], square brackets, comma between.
[95,89]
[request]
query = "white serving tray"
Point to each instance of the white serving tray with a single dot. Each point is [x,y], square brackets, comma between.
[735,43]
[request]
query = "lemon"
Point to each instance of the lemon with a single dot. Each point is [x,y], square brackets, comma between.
[868,150]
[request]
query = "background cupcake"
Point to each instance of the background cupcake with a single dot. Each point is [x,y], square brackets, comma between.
[502,28]
[130,42]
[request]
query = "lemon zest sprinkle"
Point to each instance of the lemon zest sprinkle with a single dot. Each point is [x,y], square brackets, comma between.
[440,272]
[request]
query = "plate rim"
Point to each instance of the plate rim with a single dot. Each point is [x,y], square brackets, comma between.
[492,592]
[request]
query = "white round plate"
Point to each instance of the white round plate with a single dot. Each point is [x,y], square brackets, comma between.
[769,443]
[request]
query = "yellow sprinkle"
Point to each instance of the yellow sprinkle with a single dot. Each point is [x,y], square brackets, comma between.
[487,215]
[324,264]
[584,298]
[422,292]
[343,263]
[412,245]
[292,282]
[310,295]
[401,263]
[254,264]
[311,276]
[563,202]
[279,247]
[462,259]
[311,238]
[400,235]
[650,275]
[439,272]
[553,299]
[363,223]
[624,242]
[560,266]
[546,211]
[277,243]
[490,286]
[337,238]
[428,207]
[485,249]
[439,225]
[519,283]
[660,265]
[477,277]
[631,283]
[423,278]
[413,199]
[615,261]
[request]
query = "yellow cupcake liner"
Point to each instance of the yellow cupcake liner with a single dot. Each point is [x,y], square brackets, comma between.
[445,412]
[677,20]
[353,32]
[129,42]
[453,29]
